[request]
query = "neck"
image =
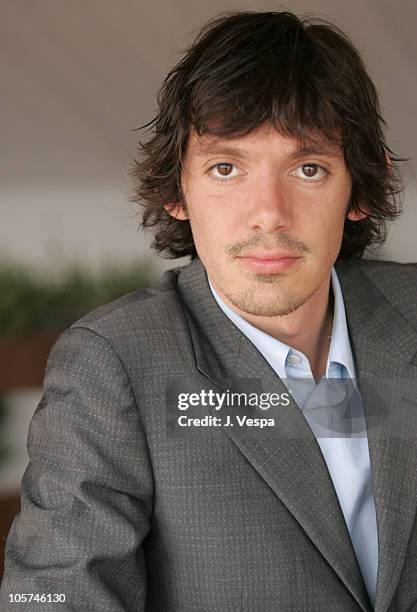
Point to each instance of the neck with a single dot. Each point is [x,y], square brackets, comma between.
[307,329]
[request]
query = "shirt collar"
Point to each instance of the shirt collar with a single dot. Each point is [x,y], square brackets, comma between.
[340,349]
[276,352]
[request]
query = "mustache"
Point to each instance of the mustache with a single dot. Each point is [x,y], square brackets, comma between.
[281,242]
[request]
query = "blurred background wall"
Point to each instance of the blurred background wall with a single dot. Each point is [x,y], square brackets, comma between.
[77,77]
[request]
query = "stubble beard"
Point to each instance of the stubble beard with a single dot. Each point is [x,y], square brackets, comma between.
[279,302]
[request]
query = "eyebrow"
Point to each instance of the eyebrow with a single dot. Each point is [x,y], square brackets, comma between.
[217,148]
[316,149]
[220,149]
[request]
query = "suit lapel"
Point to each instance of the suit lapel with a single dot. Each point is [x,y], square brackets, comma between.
[384,345]
[287,456]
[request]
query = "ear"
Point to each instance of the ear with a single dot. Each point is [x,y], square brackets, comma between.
[176,210]
[389,162]
[358,215]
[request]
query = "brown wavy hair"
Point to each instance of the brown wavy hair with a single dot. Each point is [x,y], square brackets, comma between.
[303,76]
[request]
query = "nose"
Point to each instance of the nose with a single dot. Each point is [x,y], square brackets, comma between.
[271,209]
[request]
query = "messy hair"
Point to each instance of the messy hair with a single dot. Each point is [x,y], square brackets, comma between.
[301,75]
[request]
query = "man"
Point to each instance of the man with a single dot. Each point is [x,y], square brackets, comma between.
[148,489]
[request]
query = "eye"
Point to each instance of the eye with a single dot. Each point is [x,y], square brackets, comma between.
[311,172]
[223,172]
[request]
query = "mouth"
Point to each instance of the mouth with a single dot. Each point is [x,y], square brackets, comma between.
[269,262]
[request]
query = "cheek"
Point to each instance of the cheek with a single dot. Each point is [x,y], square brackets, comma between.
[333,233]
[203,221]
[212,216]
[325,228]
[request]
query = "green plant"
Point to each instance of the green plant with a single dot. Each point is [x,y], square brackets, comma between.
[32,303]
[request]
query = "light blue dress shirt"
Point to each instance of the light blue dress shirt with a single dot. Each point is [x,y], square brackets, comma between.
[345,451]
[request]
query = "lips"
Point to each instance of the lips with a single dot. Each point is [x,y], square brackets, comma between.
[270,255]
[269,262]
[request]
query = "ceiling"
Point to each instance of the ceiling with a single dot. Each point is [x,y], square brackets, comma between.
[78,76]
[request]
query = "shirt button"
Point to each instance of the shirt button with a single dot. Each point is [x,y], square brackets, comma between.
[293,359]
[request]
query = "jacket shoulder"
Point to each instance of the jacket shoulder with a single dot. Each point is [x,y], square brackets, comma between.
[383,273]
[397,282]
[145,310]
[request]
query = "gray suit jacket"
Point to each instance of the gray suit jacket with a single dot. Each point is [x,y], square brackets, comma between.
[124,510]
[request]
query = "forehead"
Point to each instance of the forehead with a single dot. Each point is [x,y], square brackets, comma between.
[264,139]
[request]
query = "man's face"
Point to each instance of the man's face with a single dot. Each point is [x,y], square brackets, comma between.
[267,217]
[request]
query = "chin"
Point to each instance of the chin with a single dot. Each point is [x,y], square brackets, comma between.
[269,306]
